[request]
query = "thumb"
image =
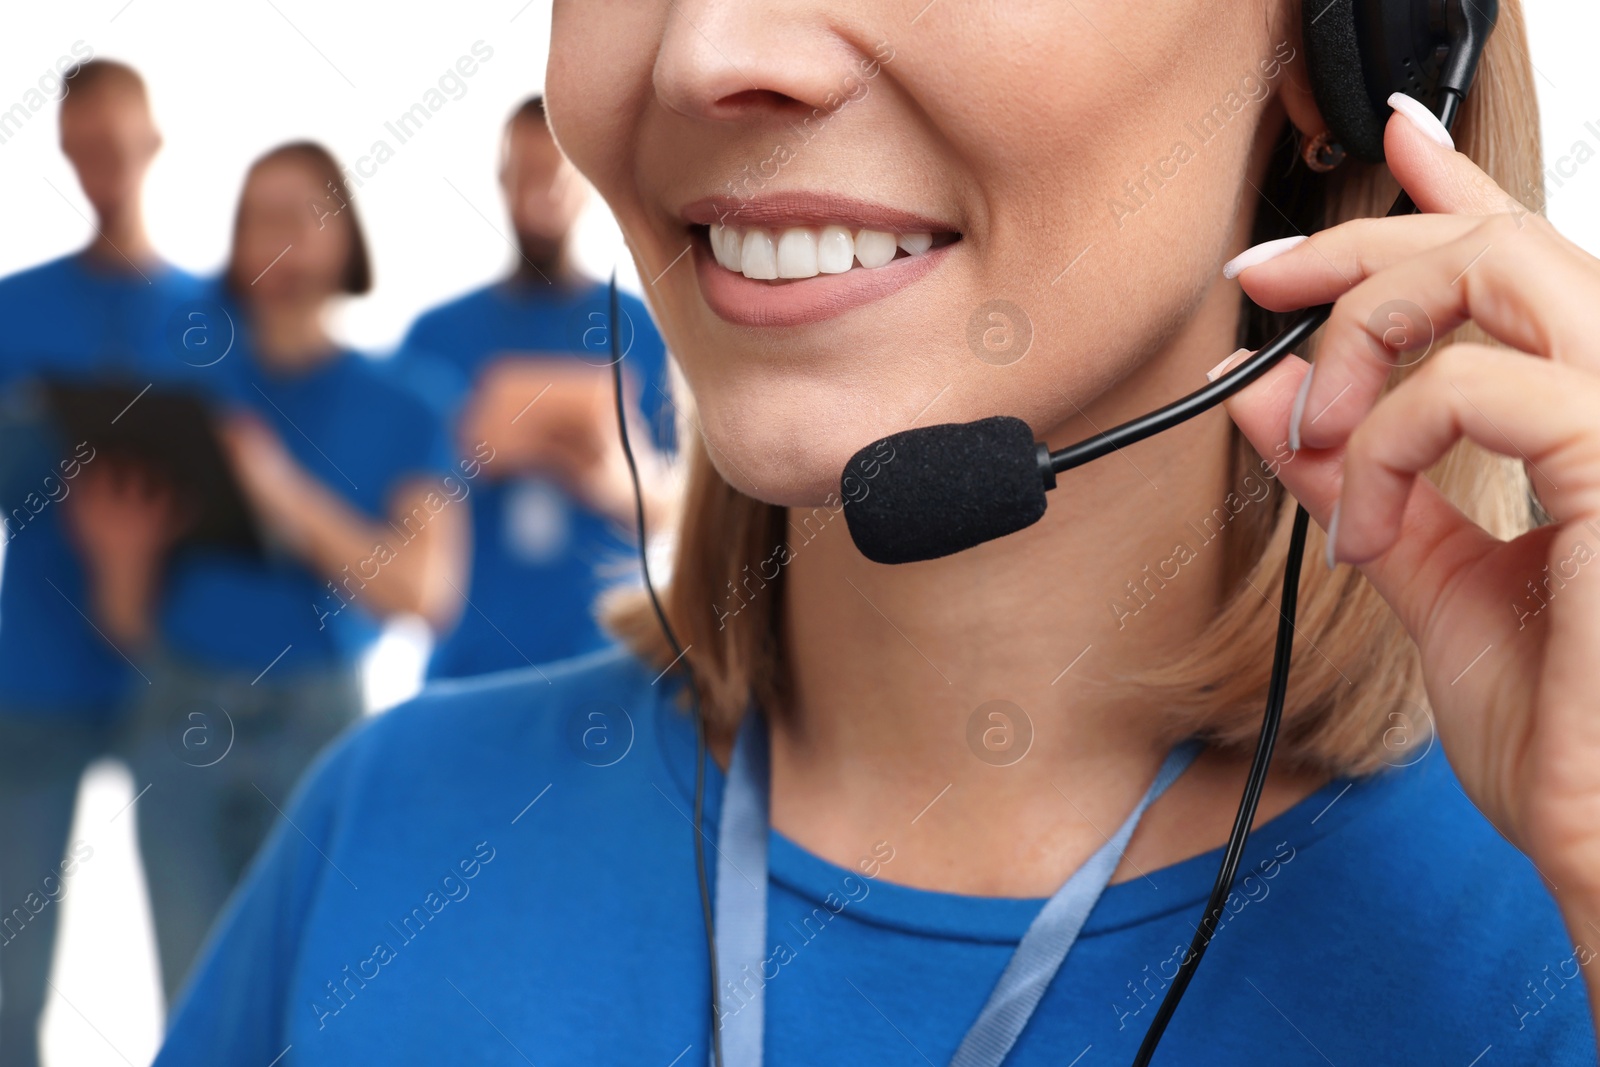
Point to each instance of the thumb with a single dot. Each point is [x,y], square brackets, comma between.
[1261,410]
[1408,575]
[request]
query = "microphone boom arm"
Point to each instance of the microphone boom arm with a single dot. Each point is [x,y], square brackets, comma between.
[1214,393]
[1186,408]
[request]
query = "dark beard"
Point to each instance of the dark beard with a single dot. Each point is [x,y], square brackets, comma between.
[539,259]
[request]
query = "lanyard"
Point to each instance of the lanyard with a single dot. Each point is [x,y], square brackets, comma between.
[741,912]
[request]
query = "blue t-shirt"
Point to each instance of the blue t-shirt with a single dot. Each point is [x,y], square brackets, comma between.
[502,872]
[363,436]
[72,318]
[540,558]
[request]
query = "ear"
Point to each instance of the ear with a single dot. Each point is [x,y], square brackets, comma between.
[1298,97]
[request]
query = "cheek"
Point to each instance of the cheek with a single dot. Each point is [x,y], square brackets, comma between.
[328,251]
[251,247]
[597,83]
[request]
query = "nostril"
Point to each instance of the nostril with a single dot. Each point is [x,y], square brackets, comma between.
[750,100]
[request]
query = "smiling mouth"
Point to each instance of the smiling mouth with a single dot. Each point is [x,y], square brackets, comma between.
[798,257]
[795,253]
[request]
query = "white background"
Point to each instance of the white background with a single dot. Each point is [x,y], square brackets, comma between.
[232,78]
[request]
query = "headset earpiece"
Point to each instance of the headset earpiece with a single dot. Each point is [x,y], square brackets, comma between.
[1359,52]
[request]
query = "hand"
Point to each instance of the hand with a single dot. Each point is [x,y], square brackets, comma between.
[420,573]
[270,477]
[124,520]
[557,416]
[1515,687]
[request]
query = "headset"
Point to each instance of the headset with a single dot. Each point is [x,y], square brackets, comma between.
[958,485]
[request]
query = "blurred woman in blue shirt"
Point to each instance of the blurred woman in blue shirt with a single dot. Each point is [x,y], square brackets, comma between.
[253,662]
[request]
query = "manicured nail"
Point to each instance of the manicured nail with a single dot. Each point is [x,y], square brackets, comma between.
[1299,409]
[1258,254]
[1227,365]
[1333,532]
[1422,119]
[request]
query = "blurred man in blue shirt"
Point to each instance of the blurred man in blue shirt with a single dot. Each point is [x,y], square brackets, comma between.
[523,365]
[103,312]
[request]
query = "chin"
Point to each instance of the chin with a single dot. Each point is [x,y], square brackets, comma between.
[785,472]
[787,444]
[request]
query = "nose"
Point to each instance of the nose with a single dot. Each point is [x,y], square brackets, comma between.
[737,61]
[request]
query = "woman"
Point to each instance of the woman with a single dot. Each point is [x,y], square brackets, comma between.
[254,660]
[951,740]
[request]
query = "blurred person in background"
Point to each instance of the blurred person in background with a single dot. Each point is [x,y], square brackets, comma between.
[254,661]
[531,396]
[98,313]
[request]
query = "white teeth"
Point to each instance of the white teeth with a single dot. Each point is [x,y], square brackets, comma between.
[797,254]
[874,248]
[725,245]
[916,243]
[757,257]
[836,250]
[806,251]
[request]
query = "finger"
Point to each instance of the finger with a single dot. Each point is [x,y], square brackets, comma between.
[1540,412]
[1437,538]
[1517,279]
[231,436]
[120,475]
[1326,265]
[1439,178]
[1443,183]
[96,478]
[1261,411]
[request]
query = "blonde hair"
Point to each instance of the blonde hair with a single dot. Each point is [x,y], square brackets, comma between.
[1336,721]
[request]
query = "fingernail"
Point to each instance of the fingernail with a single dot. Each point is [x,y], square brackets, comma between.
[1422,119]
[1333,532]
[1258,254]
[1299,409]
[1226,365]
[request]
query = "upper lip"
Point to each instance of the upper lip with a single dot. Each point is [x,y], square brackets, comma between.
[800,208]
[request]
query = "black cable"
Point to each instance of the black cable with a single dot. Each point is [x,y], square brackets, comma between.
[1277,690]
[1164,418]
[672,639]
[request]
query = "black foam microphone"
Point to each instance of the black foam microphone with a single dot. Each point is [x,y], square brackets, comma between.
[952,487]
[944,489]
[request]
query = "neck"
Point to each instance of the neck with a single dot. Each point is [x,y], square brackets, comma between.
[889,734]
[541,262]
[290,334]
[120,242]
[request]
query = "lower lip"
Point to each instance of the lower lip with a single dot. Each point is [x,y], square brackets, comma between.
[748,302]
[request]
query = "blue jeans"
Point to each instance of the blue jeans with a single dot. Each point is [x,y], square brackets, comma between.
[219,756]
[42,759]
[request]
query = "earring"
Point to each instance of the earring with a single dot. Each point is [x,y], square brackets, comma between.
[1322,154]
